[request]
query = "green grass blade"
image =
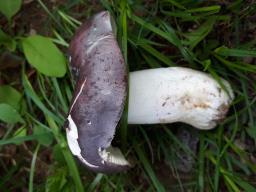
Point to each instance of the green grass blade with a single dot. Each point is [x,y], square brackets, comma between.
[174,3]
[32,169]
[21,139]
[214,8]
[201,163]
[157,54]
[245,185]
[159,187]
[32,94]
[59,94]
[74,173]
[185,148]
[123,36]
[225,51]
[171,37]
[237,66]
[199,34]
[95,182]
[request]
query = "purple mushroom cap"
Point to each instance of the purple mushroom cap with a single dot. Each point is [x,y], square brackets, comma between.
[100,75]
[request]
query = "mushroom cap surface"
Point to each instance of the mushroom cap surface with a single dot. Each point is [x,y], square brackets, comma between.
[99,97]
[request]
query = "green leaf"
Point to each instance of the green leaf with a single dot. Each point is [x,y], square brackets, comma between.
[7,41]
[10,7]
[43,54]
[9,115]
[21,132]
[10,96]
[46,137]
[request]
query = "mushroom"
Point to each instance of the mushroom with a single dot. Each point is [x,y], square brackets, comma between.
[162,95]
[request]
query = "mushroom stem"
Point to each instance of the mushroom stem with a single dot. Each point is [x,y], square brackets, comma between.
[177,94]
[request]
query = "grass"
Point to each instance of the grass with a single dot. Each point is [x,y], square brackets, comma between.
[207,36]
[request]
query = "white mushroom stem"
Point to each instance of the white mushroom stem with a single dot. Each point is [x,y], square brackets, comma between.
[177,94]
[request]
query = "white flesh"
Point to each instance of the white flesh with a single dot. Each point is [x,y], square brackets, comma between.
[113,155]
[110,155]
[177,94]
[72,136]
